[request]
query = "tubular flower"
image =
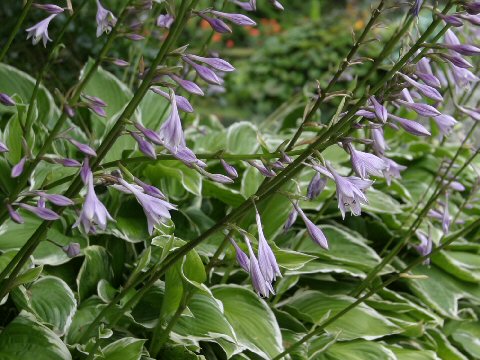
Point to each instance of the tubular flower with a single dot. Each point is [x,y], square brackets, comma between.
[40,31]
[105,20]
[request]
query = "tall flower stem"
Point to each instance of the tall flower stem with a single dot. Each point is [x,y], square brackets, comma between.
[46,65]
[30,166]
[14,32]
[411,230]
[344,65]
[40,233]
[320,328]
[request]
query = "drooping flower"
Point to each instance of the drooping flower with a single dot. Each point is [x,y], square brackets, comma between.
[426,90]
[410,126]
[316,186]
[150,189]
[182,102]
[187,85]
[292,217]
[41,212]
[315,233]
[87,150]
[105,20]
[266,258]
[15,216]
[392,170]
[237,19]
[216,63]
[445,124]
[171,131]
[6,100]
[149,134]
[240,255]
[217,25]
[72,249]
[56,199]
[144,146]
[420,109]
[50,8]
[156,210]
[365,164]
[40,31]
[245,5]
[96,104]
[3,147]
[379,144]
[229,169]
[425,247]
[261,286]
[204,72]
[380,110]
[165,21]
[93,212]
[262,168]
[350,194]
[17,170]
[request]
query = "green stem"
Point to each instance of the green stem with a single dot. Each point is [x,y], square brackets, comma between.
[14,32]
[361,300]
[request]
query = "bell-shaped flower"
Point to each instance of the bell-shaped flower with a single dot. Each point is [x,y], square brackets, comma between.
[266,258]
[315,233]
[105,20]
[350,194]
[240,255]
[261,286]
[156,210]
[316,186]
[425,246]
[144,146]
[292,217]
[40,31]
[380,110]
[379,145]
[445,124]
[93,212]
[365,164]
[171,131]
[392,170]
[425,90]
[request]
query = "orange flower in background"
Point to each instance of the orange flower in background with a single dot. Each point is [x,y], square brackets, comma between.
[217,37]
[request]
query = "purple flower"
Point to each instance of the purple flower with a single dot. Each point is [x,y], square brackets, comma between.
[182,102]
[313,230]
[276,4]
[15,216]
[3,147]
[416,7]
[41,212]
[222,179]
[237,19]
[72,249]
[187,85]
[56,199]
[262,168]
[261,286]
[216,24]
[165,21]
[379,144]
[171,131]
[456,60]
[463,49]
[50,8]
[93,212]
[150,189]
[472,8]
[229,169]
[68,162]
[426,90]
[204,72]
[446,219]
[410,126]
[240,255]
[216,63]
[149,134]
[105,20]
[452,20]
[6,100]
[144,146]
[185,155]
[380,110]
[445,123]
[17,170]
[365,164]
[40,31]
[120,62]
[316,186]
[134,37]
[266,258]
[421,109]
[392,171]
[247,6]
[366,114]
[292,217]
[87,150]
[350,194]
[156,210]
[425,246]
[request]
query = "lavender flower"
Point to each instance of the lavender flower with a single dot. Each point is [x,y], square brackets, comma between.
[165,21]
[72,250]
[149,134]
[6,100]
[87,150]
[68,162]
[421,109]
[426,90]
[266,258]
[15,216]
[50,8]
[380,110]
[182,102]
[171,131]
[150,189]
[379,145]
[187,85]
[365,164]
[446,219]
[216,63]
[292,217]
[241,257]
[350,194]
[316,186]
[247,6]
[204,72]
[237,19]
[3,147]
[216,24]
[56,199]
[40,31]
[222,179]
[144,146]
[313,230]
[472,8]
[105,20]
[261,286]
[229,169]
[41,212]
[17,170]
[425,246]
[452,20]
[392,171]
[410,126]
[262,168]
[156,210]
[445,123]
[93,212]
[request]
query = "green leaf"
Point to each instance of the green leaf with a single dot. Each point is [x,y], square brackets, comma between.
[251,180]
[463,265]
[28,276]
[25,338]
[382,203]
[124,349]
[173,171]
[86,312]
[258,331]
[407,354]
[361,322]
[466,334]
[242,138]
[358,350]
[53,302]
[95,267]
